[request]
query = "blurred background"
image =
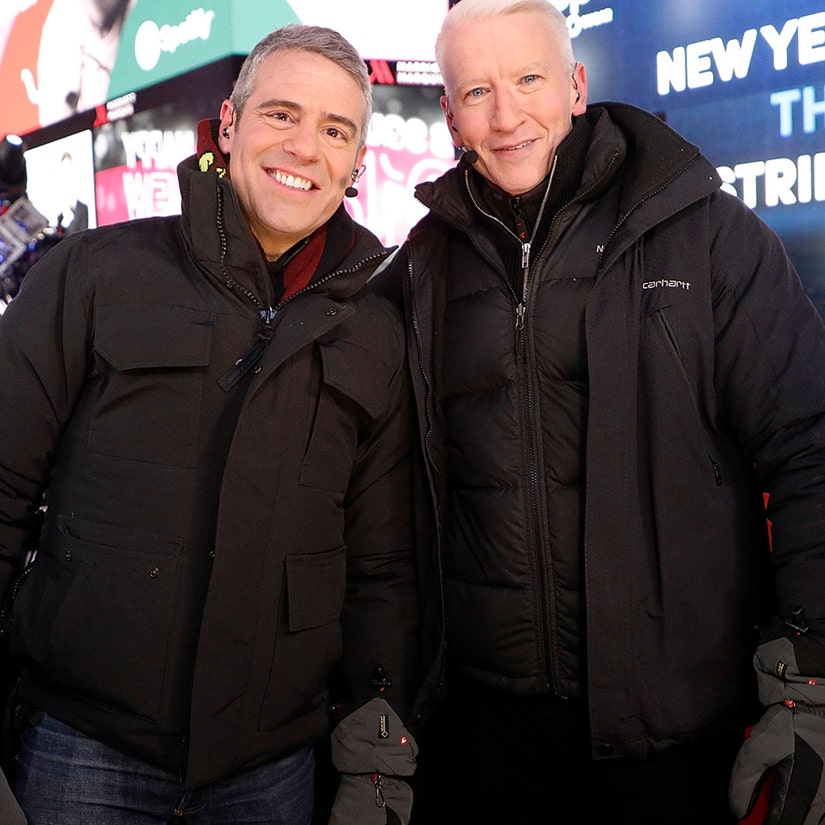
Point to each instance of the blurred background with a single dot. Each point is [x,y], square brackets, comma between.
[102,97]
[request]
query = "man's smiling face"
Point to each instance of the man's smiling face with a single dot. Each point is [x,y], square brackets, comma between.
[510,96]
[294,147]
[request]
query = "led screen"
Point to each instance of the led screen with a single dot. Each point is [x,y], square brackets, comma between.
[61,181]
[136,160]
[744,81]
[60,57]
[408,142]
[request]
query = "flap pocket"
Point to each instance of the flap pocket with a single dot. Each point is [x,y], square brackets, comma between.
[357,373]
[137,336]
[316,583]
[155,360]
[102,613]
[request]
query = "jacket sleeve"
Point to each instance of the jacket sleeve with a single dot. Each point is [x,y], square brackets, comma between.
[43,356]
[770,378]
[380,618]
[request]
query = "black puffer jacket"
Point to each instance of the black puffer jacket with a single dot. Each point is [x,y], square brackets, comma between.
[212,547]
[705,382]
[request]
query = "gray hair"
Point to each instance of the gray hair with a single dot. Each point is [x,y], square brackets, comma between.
[318,40]
[484,9]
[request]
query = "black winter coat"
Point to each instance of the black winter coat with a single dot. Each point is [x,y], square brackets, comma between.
[213,549]
[706,371]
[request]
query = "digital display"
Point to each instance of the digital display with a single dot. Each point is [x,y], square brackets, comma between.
[408,142]
[61,181]
[744,81]
[136,159]
[61,57]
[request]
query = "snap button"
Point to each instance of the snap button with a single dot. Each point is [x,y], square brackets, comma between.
[332,311]
[154,573]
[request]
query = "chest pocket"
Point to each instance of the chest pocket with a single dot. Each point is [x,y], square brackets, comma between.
[152,362]
[353,391]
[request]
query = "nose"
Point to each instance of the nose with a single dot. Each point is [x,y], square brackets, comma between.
[506,113]
[302,142]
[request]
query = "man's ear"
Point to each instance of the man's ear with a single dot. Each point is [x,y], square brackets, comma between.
[579,89]
[448,116]
[226,127]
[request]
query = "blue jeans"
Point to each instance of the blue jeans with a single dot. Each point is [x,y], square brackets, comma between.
[64,777]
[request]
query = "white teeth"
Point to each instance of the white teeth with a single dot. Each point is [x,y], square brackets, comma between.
[292,181]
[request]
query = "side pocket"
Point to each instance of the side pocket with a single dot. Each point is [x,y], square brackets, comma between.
[310,644]
[315,584]
[668,333]
[353,390]
[97,616]
[154,360]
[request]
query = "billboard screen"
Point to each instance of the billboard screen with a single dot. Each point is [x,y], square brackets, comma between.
[61,182]
[408,142]
[744,81]
[60,57]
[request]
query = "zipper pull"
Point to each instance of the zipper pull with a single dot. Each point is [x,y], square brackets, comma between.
[379,793]
[520,311]
[246,362]
[525,256]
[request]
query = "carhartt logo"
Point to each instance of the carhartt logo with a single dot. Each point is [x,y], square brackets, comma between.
[666,283]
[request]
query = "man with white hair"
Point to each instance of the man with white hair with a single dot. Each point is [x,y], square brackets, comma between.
[613,361]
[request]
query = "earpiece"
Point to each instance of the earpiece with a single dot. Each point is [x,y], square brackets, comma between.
[351,191]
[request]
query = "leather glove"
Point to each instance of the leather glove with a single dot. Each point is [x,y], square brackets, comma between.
[372,751]
[790,737]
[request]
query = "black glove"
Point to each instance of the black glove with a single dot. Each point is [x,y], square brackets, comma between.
[372,750]
[790,736]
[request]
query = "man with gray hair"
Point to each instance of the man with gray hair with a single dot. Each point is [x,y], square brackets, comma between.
[614,363]
[205,523]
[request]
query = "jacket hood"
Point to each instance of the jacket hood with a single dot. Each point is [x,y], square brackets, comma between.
[221,242]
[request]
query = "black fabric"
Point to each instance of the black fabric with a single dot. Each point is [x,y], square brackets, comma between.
[189,596]
[525,760]
[682,442]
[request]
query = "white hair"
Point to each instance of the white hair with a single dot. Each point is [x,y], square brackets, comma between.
[466,10]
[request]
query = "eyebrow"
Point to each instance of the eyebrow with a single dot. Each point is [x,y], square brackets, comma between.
[539,67]
[291,105]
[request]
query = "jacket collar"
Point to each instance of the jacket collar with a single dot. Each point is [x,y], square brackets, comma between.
[623,137]
[220,240]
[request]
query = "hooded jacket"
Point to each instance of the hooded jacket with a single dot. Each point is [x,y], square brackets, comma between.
[227,526]
[704,377]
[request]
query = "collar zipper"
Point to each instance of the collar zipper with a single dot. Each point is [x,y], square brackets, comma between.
[526,245]
[267,314]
